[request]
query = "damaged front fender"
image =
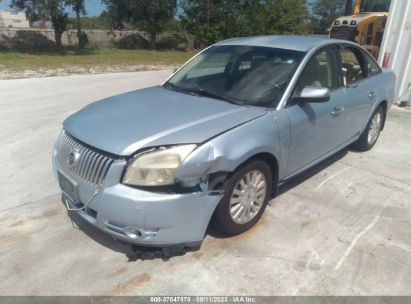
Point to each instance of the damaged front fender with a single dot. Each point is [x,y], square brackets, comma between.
[212,162]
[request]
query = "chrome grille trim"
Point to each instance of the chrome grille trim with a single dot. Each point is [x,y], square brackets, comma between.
[91,166]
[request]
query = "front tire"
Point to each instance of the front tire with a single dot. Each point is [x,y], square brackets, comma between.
[372,131]
[247,193]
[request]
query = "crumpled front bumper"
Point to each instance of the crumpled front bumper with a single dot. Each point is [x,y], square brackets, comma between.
[137,216]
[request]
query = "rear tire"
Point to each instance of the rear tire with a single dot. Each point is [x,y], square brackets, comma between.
[372,131]
[247,193]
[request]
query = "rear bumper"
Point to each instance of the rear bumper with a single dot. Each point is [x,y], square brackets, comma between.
[141,217]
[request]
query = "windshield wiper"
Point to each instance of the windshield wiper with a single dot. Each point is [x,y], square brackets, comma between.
[201,92]
[206,93]
[173,87]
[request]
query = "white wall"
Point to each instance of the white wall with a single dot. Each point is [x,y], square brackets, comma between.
[10,19]
[395,50]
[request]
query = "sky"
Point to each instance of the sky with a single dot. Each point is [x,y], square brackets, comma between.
[93,7]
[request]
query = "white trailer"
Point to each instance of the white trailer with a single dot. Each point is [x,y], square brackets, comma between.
[395,52]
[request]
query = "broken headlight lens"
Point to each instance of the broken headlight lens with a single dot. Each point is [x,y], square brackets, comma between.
[156,168]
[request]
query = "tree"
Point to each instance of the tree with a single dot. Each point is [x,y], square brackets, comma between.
[213,20]
[52,10]
[326,11]
[149,15]
[283,17]
[79,9]
[204,19]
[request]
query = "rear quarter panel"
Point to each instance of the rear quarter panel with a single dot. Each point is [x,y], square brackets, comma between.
[383,84]
[386,91]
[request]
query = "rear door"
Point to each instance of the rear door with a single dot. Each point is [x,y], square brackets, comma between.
[317,128]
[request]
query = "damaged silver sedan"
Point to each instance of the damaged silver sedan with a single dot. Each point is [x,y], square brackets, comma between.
[211,145]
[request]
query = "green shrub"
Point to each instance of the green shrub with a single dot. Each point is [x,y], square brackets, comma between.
[132,42]
[27,42]
[172,42]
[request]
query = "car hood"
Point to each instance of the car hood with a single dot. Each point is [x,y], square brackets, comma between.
[154,116]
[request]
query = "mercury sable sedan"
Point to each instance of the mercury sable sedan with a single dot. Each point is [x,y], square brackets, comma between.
[211,145]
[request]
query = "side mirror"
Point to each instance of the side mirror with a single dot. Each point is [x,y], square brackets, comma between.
[313,94]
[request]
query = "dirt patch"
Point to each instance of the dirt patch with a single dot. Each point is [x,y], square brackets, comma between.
[130,285]
[197,255]
[118,272]
[250,232]
[78,70]
[305,224]
[11,240]
[46,214]
[16,224]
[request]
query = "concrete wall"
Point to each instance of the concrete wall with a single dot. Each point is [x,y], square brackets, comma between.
[98,38]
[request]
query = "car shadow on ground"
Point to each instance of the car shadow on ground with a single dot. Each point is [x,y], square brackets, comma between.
[294,182]
[135,253]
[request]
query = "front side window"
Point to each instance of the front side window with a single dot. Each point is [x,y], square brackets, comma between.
[248,75]
[352,69]
[320,71]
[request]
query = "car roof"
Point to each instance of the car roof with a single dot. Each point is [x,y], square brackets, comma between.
[290,42]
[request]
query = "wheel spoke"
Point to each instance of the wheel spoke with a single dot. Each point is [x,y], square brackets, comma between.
[253,178]
[237,192]
[234,201]
[235,208]
[238,212]
[258,179]
[248,178]
[261,190]
[242,215]
[247,213]
[242,184]
[254,207]
[261,185]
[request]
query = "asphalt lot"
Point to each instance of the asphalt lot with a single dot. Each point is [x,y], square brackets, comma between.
[344,228]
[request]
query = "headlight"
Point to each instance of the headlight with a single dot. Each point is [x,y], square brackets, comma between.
[156,168]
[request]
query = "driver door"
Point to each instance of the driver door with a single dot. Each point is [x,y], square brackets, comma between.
[316,127]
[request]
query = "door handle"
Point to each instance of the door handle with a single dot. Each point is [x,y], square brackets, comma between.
[371,94]
[337,111]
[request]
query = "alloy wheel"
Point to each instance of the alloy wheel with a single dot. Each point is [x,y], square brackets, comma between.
[248,197]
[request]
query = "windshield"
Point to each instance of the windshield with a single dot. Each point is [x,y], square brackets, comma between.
[247,75]
[375,6]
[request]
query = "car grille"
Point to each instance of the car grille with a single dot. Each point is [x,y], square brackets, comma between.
[89,165]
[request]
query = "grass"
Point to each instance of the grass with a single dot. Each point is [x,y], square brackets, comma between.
[91,58]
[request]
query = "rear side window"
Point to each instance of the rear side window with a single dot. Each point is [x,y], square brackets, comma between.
[320,71]
[371,65]
[352,69]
